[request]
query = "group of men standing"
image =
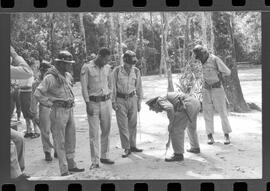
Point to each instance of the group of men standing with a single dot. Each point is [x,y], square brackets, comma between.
[120,89]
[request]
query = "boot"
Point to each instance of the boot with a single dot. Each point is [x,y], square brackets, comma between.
[227,139]
[194,150]
[135,150]
[175,157]
[210,139]
[126,153]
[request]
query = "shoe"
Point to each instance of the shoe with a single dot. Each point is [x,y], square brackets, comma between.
[194,150]
[106,161]
[126,153]
[210,139]
[227,139]
[22,177]
[135,150]
[76,169]
[94,166]
[28,135]
[55,154]
[65,174]
[175,157]
[48,156]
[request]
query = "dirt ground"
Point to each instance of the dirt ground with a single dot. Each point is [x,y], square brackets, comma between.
[242,159]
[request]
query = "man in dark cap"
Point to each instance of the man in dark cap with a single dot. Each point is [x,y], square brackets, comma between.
[182,111]
[126,99]
[42,117]
[213,93]
[96,91]
[55,92]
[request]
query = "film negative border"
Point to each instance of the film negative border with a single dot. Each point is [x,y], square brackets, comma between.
[132,5]
[151,185]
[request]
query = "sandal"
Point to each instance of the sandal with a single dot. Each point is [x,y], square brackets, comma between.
[28,135]
[35,135]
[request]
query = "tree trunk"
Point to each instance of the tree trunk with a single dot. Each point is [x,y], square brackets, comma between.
[84,46]
[119,37]
[165,51]
[52,26]
[224,48]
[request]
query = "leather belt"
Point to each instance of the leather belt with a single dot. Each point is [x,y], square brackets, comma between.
[26,88]
[214,85]
[64,104]
[100,98]
[125,96]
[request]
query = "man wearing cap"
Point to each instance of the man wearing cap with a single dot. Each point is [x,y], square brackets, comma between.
[213,92]
[96,91]
[55,92]
[126,99]
[44,114]
[182,111]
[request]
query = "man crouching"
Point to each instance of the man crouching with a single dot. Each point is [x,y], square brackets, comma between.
[182,111]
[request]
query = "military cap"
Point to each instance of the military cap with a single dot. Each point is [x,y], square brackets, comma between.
[44,65]
[128,55]
[65,56]
[200,48]
[152,101]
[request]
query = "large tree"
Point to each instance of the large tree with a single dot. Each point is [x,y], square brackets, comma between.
[225,49]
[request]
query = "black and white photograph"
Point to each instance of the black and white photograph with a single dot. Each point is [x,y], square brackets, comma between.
[135,95]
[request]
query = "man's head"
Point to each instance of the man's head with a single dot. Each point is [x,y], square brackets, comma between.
[64,61]
[44,66]
[201,53]
[154,105]
[103,57]
[129,58]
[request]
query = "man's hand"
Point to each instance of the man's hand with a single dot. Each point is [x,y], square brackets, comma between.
[89,109]
[115,106]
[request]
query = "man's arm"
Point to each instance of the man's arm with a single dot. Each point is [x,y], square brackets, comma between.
[42,89]
[84,83]
[222,68]
[168,107]
[114,81]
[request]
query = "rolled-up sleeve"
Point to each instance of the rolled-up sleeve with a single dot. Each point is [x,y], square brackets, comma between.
[42,90]
[222,68]
[84,82]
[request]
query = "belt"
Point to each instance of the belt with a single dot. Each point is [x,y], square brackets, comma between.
[125,96]
[100,98]
[64,104]
[26,88]
[214,85]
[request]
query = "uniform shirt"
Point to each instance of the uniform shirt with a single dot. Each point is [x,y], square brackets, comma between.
[50,89]
[126,83]
[95,81]
[22,70]
[168,102]
[212,67]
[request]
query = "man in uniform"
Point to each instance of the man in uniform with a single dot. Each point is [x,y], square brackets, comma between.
[182,111]
[96,91]
[44,114]
[213,92]
[55,92]
[126,100]
[19,70]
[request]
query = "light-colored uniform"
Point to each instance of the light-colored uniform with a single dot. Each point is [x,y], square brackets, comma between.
[96,81]
[50,90]
[179,120]
[21,71]
[44,119]
[214,98]
[126,115]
